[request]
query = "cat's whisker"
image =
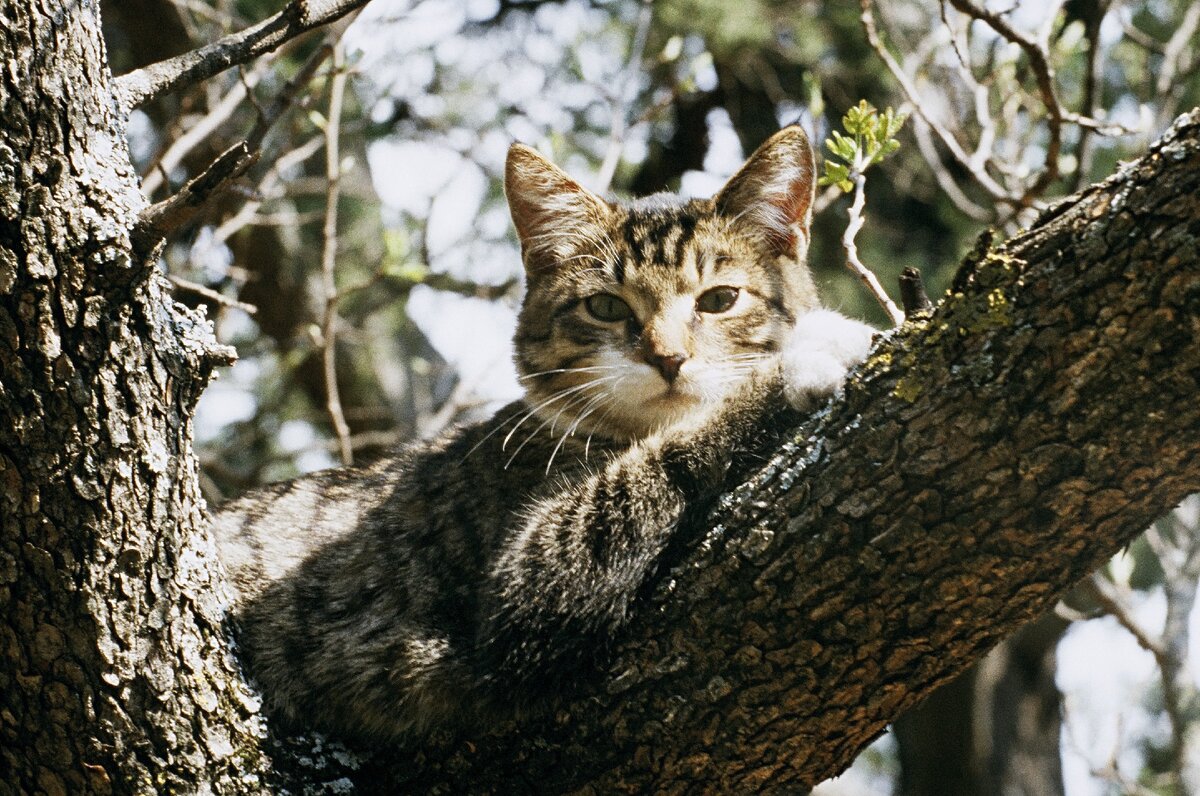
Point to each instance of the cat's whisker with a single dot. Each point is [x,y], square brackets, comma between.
[499,426]
[585,369]
[588,409]
[557,396]
[569,405]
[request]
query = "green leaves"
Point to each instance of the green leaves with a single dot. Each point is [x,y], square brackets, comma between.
[869,138]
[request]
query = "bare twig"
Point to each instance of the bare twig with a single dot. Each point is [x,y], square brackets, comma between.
[299,16]
[1166,86]
[196,133]
[333,173]
[622,98]
[1044,75]
[1091,77]
[852,262]
[912,292]
[159,220]
[210,294]
[980,175]
[287,95]
[1114,604]
[943,177]
[266,188]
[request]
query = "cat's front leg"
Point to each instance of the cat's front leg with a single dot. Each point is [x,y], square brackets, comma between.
[821,349]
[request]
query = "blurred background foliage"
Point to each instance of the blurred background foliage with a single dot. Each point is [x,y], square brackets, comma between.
[406,328]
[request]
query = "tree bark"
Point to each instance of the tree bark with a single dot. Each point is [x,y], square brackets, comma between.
[983,460]
[114,670]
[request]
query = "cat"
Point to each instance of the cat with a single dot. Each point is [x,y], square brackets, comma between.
[663,343]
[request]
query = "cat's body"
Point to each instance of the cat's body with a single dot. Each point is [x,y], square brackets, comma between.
[472,574]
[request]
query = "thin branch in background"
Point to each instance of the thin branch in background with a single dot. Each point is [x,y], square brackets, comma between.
[286,97]
[622,99]
[1091,79]
[267,188]
[210,294]
[1166,87]
[200,131]
[1044,75]
[852,262]
[980,175]
[297,17]
[333,174]
[943,177]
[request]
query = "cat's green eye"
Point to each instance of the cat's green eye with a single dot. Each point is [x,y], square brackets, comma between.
[719,299]
[608,308]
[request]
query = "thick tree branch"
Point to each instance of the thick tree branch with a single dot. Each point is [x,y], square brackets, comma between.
[297,17]
[979,464]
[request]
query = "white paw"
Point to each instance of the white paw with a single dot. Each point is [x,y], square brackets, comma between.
[821,349]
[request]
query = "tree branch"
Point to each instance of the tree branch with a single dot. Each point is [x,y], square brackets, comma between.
[979,464]
[159,220]
[297,17]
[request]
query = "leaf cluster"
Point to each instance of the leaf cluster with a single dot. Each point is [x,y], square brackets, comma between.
[870,137]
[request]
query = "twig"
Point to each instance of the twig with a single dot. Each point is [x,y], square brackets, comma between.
[1165,86]
[1113,604]
[1091,77]
[1044,75]
[985,180]
[266,187]
[299,16]
[333,173]
[174,154]
[287,95]
[210,294]
[852,261]
[622,99]
[159,220]
[943,177]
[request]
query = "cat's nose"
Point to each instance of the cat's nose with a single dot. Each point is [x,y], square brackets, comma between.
[668,365]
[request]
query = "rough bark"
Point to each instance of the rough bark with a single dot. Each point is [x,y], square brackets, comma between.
[114,672]
[982,461]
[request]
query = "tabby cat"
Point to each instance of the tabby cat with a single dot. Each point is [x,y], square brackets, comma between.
[475,574]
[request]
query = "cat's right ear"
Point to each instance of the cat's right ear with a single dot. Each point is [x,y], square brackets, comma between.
[771,196]
[552,212]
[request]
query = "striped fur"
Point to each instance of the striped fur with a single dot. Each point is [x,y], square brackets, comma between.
[475,577]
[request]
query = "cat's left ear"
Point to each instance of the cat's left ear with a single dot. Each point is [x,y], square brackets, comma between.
[771,196]
[551,211]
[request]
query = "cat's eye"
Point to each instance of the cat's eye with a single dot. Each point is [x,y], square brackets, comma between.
[608,308]
[719,299]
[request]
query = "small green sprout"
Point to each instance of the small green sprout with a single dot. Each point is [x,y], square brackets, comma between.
[870,137]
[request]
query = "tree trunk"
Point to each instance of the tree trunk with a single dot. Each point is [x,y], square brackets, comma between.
[983,460]
[114,669]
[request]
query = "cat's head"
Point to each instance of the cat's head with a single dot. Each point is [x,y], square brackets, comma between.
[638,315]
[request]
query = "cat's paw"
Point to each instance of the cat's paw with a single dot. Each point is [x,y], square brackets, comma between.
[821,349]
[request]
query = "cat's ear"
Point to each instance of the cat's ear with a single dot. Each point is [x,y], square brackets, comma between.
[551,211]
[771,196]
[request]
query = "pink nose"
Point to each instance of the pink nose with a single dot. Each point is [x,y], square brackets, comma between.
[667,365]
